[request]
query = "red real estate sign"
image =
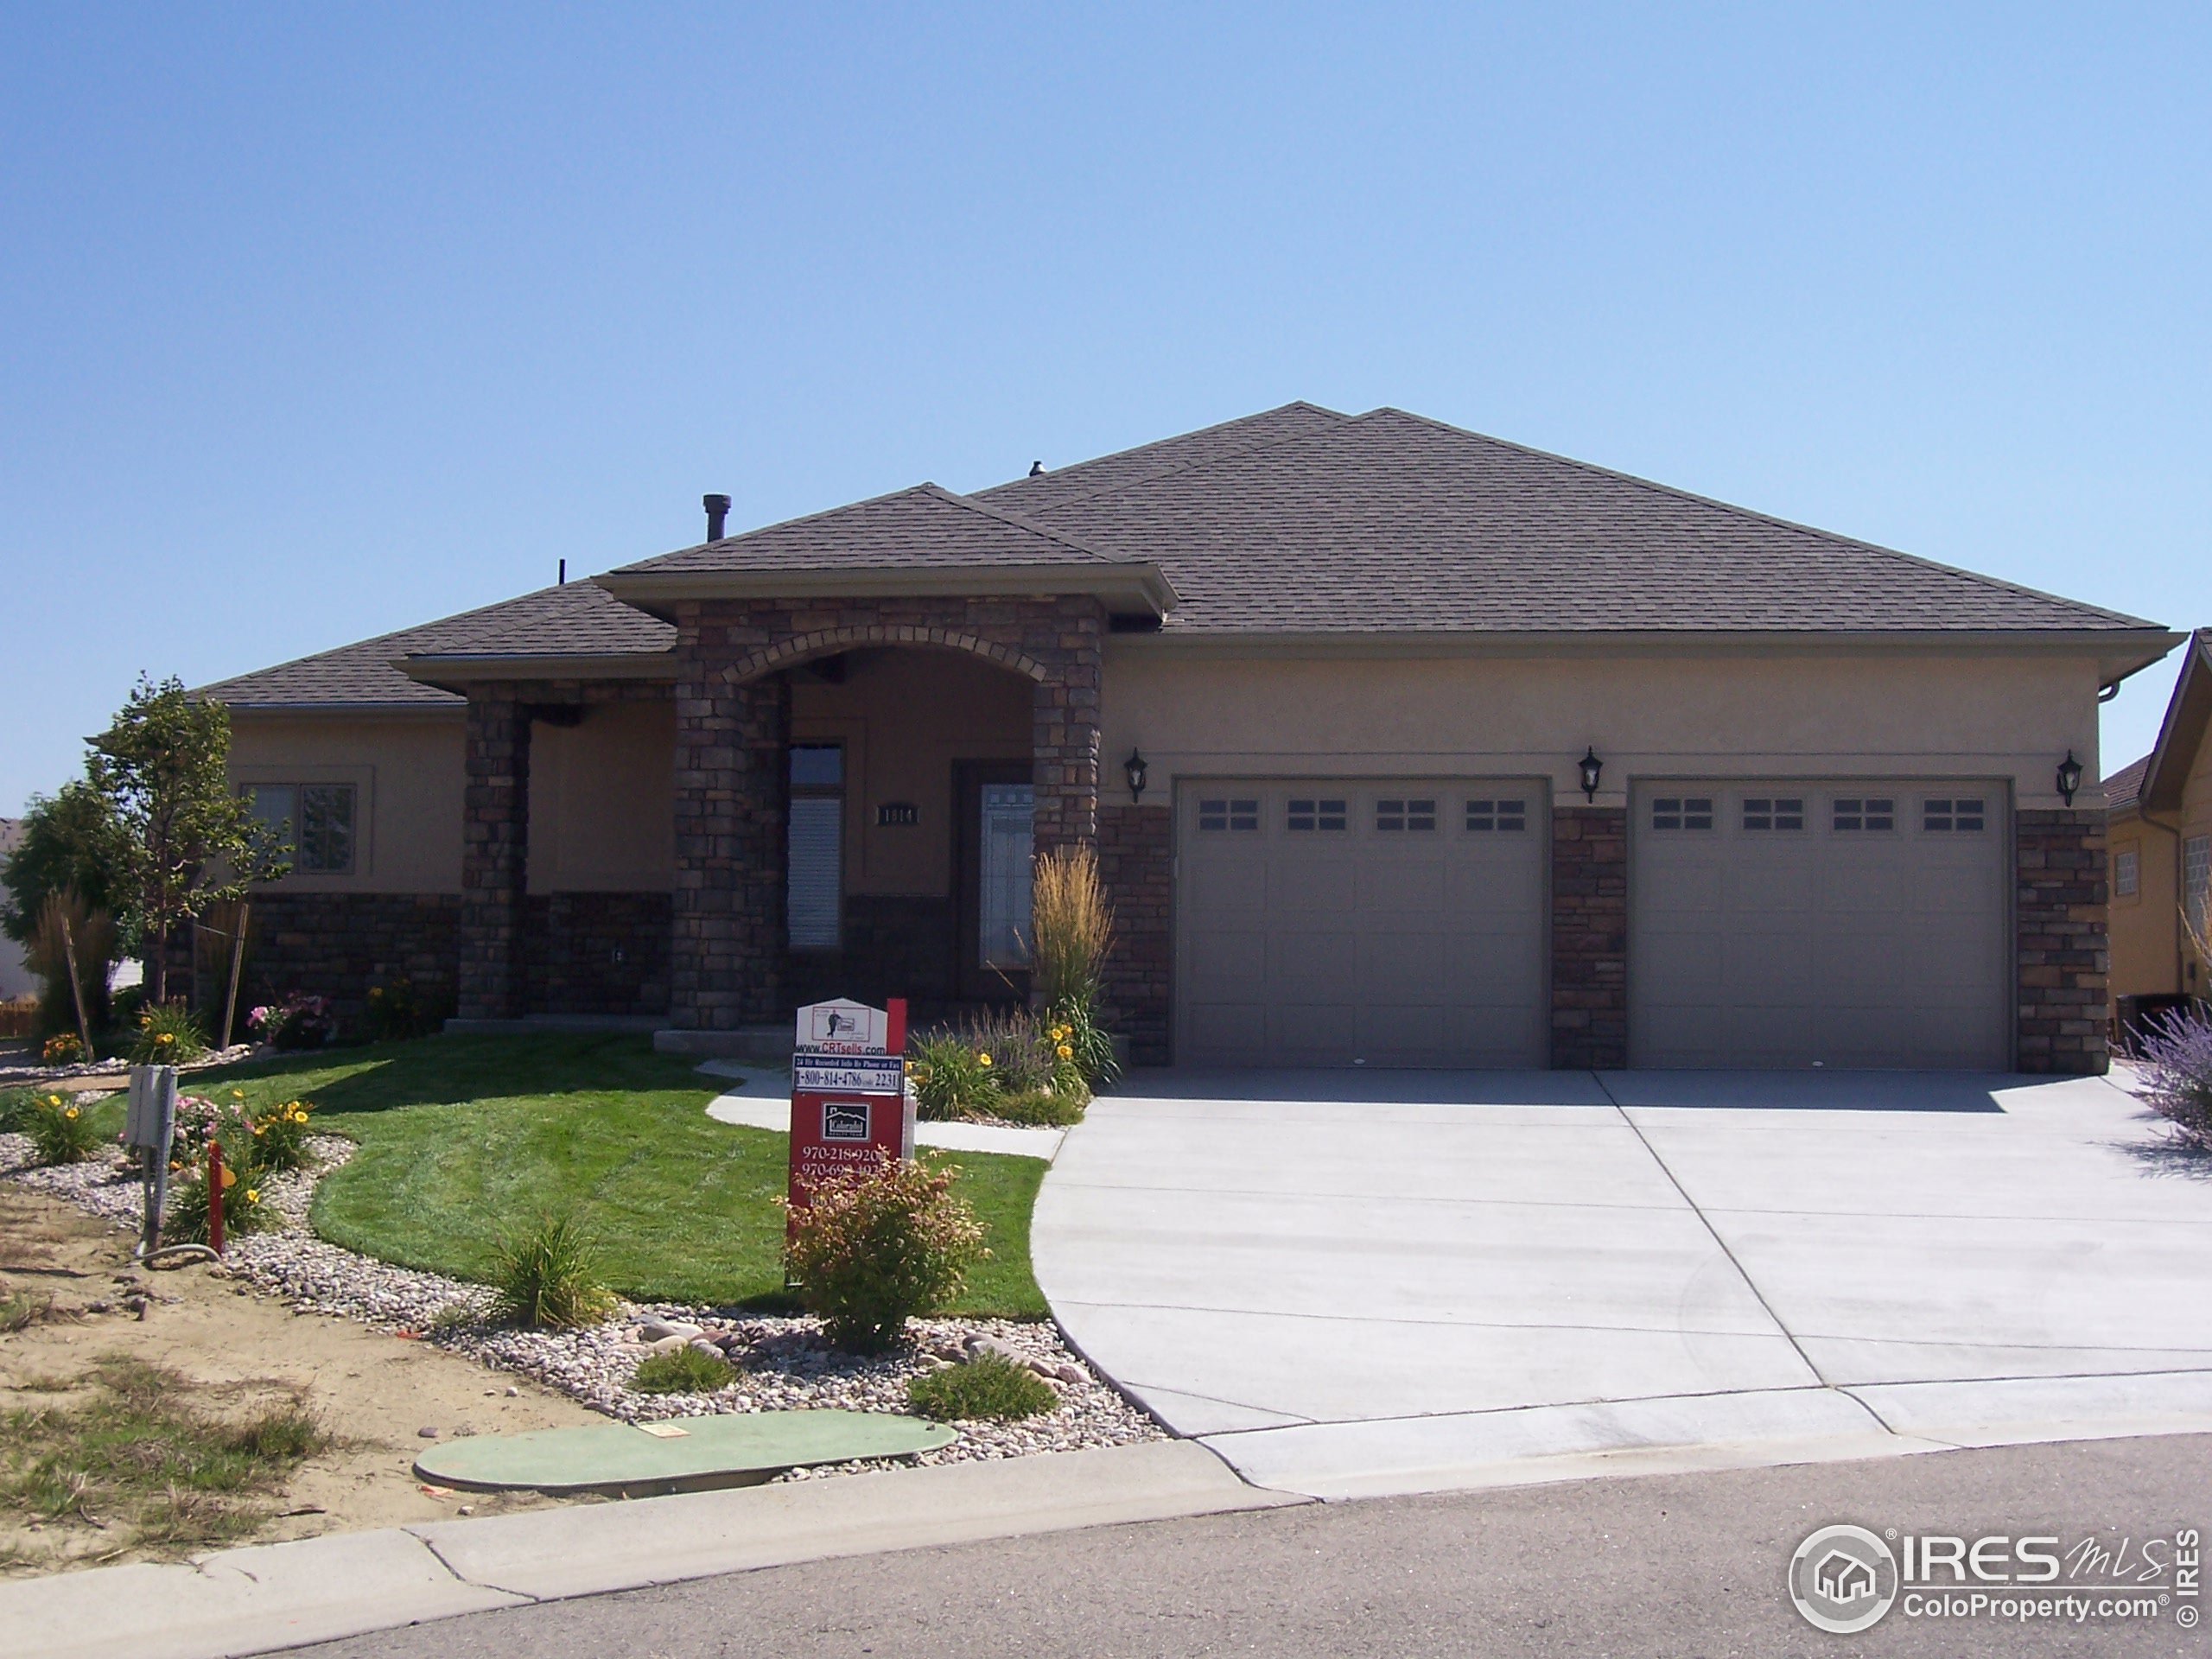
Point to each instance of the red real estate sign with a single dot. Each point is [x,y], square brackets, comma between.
[849,1106]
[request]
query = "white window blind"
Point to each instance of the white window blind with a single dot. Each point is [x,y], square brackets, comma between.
[817,872]
[1008,845]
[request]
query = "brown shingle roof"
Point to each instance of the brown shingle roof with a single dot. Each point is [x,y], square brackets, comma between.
[925,526]
[574,617]
[1297,520]
[1392,523]
[2124,786]
[1034,496]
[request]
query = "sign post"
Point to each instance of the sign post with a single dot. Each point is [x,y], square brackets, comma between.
[849,1103]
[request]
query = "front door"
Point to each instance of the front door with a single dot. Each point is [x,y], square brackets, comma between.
[993,852]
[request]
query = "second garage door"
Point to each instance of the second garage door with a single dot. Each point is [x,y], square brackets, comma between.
[1848,923]
[1360,923]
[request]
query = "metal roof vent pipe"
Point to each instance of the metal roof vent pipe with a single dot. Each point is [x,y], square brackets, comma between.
[717,515]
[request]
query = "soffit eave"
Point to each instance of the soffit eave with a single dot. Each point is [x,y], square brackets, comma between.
[1126,589]
[2117,653]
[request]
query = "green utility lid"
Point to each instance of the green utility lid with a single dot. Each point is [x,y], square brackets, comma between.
[685,1454]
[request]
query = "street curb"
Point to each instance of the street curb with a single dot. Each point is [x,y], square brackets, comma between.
[271,1595]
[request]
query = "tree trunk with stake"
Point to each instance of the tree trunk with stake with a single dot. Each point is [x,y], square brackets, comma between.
[76,986]
[237,962]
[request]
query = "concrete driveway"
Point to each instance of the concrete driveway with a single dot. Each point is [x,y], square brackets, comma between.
[1364,1282]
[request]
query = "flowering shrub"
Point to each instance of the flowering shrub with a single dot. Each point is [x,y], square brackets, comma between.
[875,1246]
[167,1035]
[951,1077]
[2176,1062]
[243,1209]
[280,1135]
[63,1048]
[61,1130]
[200,1120]
[297,1022]
[398,1010]
[1006,1063]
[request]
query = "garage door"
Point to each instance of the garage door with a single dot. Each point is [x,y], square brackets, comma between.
[1360,923]
[1850,923]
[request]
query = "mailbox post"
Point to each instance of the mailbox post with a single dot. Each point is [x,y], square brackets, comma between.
[849,1102]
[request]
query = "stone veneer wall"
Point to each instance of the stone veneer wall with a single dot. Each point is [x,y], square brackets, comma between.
[2062,948]
[597,953]
[494,855]
[1136,864]
[495,973]
[1589,938]
[731,967]
[339,945]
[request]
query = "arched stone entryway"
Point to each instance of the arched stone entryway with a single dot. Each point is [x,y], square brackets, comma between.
[733,734]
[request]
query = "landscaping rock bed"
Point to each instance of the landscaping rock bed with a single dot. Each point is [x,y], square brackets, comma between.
[782,1363]
[36,1074]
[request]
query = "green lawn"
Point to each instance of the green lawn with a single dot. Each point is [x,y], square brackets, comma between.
[462,1138]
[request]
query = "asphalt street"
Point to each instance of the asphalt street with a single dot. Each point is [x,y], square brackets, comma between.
[1679,1564]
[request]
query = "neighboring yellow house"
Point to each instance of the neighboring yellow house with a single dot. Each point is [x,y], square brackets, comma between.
[2161,844]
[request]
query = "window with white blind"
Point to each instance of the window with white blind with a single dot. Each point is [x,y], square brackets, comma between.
[1008,846]
[814,894]
[2127,872]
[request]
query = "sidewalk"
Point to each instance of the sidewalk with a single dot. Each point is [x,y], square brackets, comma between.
[271,1595]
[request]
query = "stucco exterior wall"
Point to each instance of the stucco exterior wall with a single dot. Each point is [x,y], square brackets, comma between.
[2146,961]
[408,770]
[905,716]
[603,801]
[1714,714]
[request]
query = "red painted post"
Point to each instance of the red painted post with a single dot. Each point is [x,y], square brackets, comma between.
[215,1197]
[895,1025]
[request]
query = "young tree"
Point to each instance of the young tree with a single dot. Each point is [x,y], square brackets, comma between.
[186,837]
[70,844]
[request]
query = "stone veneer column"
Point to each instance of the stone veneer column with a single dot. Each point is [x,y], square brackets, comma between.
[1065,751]
[1589,938]
[2061,946]
[1136,858]
[494,857]
[727,941]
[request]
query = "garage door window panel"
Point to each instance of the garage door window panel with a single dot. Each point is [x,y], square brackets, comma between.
[1318,815]
[1684,813]
[1405,815]
[1956,815]
[1782,814]
[1503,817]
[1864,815]
[1229,815]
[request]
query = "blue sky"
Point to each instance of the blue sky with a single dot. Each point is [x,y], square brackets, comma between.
[316,323]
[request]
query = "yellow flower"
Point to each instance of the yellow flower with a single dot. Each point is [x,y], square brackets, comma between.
[983,1060]
[1065,1051]
[165,1036]
[238,1094]
[253,1195]
[71,1112]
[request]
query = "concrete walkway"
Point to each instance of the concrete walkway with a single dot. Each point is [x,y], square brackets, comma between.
[271,1595]
[761,1098]
[1357,1283]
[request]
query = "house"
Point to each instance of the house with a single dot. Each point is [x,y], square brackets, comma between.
[1398,745]
[2161,846]
[1844,1579]
[16,979]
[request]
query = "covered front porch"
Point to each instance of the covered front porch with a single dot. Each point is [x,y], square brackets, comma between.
[838,799]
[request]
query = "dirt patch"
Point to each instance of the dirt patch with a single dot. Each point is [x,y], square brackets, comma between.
[372,1392]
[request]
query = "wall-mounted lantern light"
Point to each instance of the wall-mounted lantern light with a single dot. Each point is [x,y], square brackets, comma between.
[1591,766]
[1135,766]
[2069,777]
